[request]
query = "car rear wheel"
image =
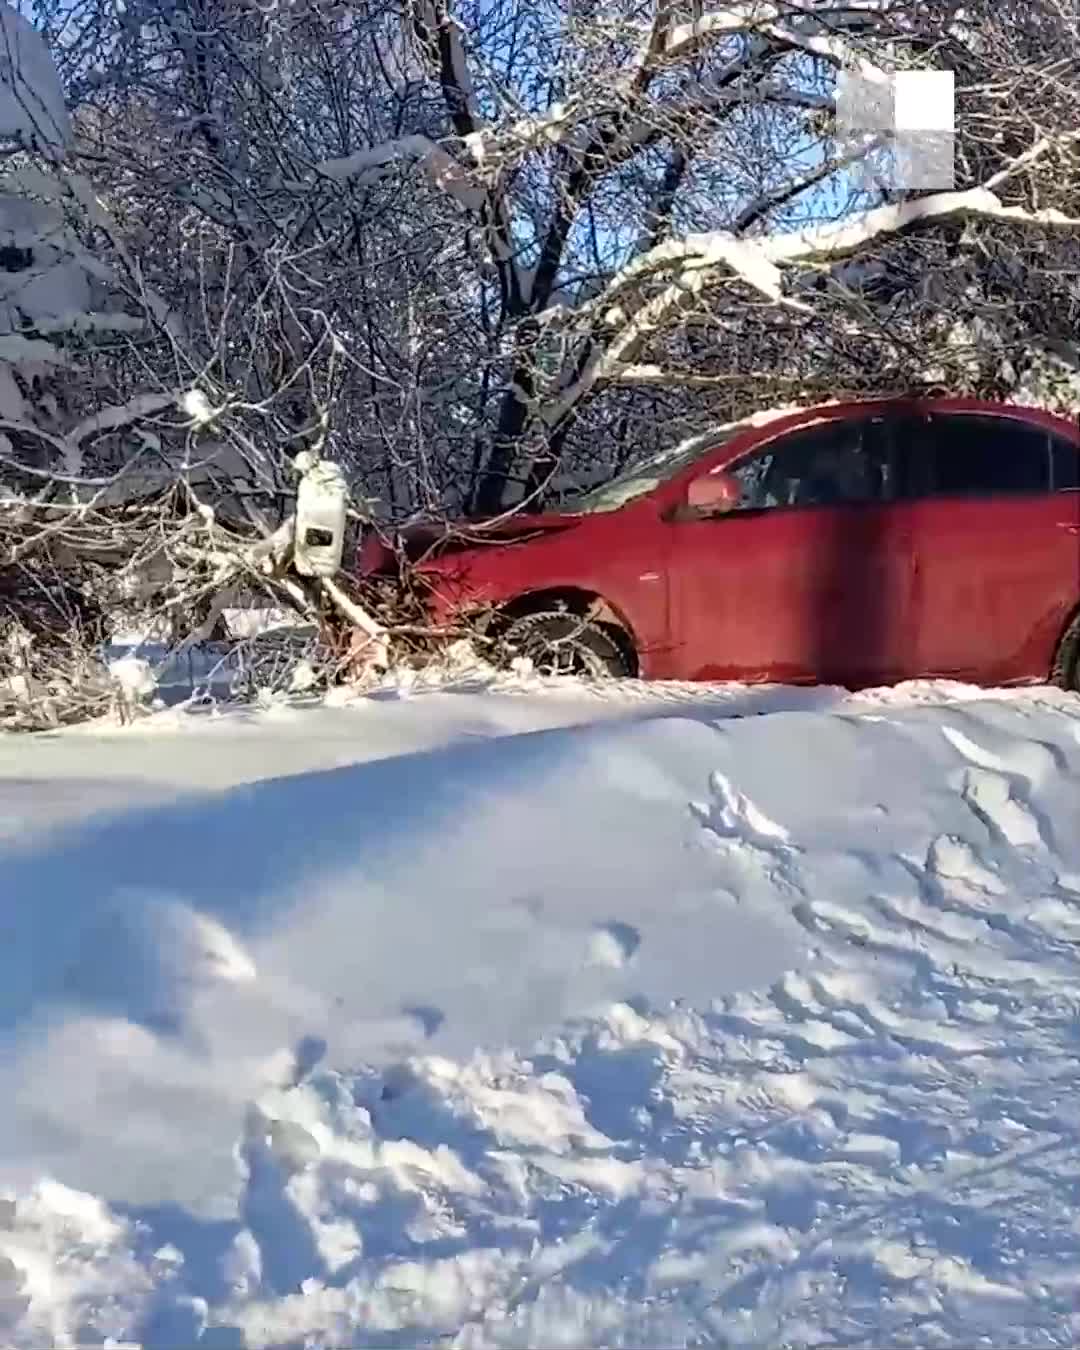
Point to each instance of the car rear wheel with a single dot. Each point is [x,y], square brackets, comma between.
[1066,672]
[564,644]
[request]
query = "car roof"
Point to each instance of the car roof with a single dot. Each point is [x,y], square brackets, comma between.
[764,425]
[920,403]
[737,438]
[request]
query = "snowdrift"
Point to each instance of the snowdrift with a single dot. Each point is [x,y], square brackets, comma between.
[663,1028]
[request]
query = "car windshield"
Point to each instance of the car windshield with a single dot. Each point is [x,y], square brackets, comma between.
[647,475]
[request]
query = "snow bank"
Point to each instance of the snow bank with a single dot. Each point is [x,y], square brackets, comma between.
[663,1028]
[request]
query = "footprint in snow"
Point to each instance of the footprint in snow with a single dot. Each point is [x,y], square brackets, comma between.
[733,814]
[429,1018]
[612,945]
[952,859]
[990,797]
[1029,760]
[306,1057]
[147,955]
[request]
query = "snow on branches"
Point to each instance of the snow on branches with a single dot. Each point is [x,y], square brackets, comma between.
[501,216]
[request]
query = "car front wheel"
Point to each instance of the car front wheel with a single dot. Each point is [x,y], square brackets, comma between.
[564,644]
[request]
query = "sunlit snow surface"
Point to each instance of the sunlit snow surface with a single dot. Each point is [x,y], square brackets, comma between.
[539,1015]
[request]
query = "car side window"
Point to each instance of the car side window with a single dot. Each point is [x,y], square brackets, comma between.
[833,464]
[973,455]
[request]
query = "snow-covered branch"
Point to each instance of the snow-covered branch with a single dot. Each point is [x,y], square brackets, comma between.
[1042,147]
[566,121]
[756,262]
[122,415]
[836,240]
[33,111]
[684,39]
[828,47]
[699,262]
[699,259]
[369,166]
[651,375]
[619,190]
[813,30]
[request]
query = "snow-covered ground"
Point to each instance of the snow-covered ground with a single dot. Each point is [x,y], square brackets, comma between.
[550,1017]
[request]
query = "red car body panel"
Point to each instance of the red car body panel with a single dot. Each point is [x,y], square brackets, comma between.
[999,623]
[979,589]
[815,596]
[617,556]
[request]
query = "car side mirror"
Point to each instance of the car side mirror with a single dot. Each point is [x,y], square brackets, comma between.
[714,494]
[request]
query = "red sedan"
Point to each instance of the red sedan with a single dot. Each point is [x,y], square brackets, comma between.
[858,544]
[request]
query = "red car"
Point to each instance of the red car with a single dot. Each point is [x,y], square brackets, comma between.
[858,543]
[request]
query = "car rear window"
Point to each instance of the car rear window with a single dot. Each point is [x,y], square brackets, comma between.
[989,456]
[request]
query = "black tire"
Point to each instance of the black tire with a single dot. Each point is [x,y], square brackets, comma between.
[1066,671]
[564,644]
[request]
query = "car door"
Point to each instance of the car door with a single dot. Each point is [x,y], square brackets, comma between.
[996,534]
[809,578]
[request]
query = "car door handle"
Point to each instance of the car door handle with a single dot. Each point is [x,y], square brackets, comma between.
[1069,526]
